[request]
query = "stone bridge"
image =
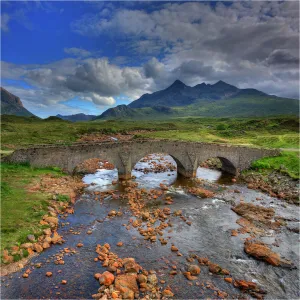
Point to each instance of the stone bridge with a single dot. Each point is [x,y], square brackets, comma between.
[125,154]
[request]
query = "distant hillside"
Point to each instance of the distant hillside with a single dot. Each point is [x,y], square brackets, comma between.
[77,117]
[216,100]
[12,105]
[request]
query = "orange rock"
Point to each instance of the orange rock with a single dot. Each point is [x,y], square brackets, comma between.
[228,279]
[194,270]
[273,259]
[107,246]
[97,276]
[225,272]
[261,251]
[203,260]
[234,232]
[64,281]
[45,245]
[142,278]
[79,245]
[189,276]
[56,238]
[214,268]
[126,285]
[115,295]
[30,251]
[7,258]
[25,275]
[120,244]
[131,266]
[174,249]
[49,274]
[245,285]
[106,278]
[167,293]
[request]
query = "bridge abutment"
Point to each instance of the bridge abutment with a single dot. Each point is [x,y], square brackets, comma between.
[187,173]
[124,175]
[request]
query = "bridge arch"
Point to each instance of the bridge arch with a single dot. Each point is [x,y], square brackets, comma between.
[227,164]
[182,167]
[92,165]
[125,154]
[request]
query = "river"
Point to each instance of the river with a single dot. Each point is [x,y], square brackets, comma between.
[209,235]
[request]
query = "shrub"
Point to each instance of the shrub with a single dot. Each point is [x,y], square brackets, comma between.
[63,198]
[25,253]
[222,126]
[17,257]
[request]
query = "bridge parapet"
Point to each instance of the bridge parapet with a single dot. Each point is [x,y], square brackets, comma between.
[125,154]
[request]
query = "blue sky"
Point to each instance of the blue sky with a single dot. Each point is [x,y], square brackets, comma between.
[70,57]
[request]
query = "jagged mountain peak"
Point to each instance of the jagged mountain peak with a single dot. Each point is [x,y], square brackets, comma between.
[176,83]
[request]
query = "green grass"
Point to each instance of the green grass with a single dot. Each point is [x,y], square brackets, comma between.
[270,132]
[21,210]
[276,132]
[63,198]
[287,162]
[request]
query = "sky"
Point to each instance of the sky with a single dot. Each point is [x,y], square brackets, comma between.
[85,57]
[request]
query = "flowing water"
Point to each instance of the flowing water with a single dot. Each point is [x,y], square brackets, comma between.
[208,236]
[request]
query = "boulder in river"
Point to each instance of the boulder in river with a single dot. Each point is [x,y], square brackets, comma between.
[106,278]
[263,252]
[127,285]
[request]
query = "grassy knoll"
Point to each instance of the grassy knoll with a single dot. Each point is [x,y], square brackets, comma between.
[21,210]
[287,162]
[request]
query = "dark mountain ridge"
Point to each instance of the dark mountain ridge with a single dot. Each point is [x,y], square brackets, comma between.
[12,105]
[77,117]
[179,94]
[215,100]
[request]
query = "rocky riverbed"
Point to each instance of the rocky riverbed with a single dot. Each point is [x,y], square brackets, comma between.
[159,236]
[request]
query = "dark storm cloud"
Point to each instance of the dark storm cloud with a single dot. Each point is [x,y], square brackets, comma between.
[282,57]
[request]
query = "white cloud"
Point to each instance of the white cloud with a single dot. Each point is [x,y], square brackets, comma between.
[78,52]
[99,100]
[5,18]
[91,79]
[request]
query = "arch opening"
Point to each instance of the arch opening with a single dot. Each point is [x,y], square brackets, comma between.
[98,173]
[216,169]
[154,169]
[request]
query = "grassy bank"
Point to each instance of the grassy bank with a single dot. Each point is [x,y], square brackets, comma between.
[286,163]
[277,132]
[21,210]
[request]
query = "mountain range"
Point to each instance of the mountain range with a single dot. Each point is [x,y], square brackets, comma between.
[179,100]
[77,117]
[12,105]
[211,100]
